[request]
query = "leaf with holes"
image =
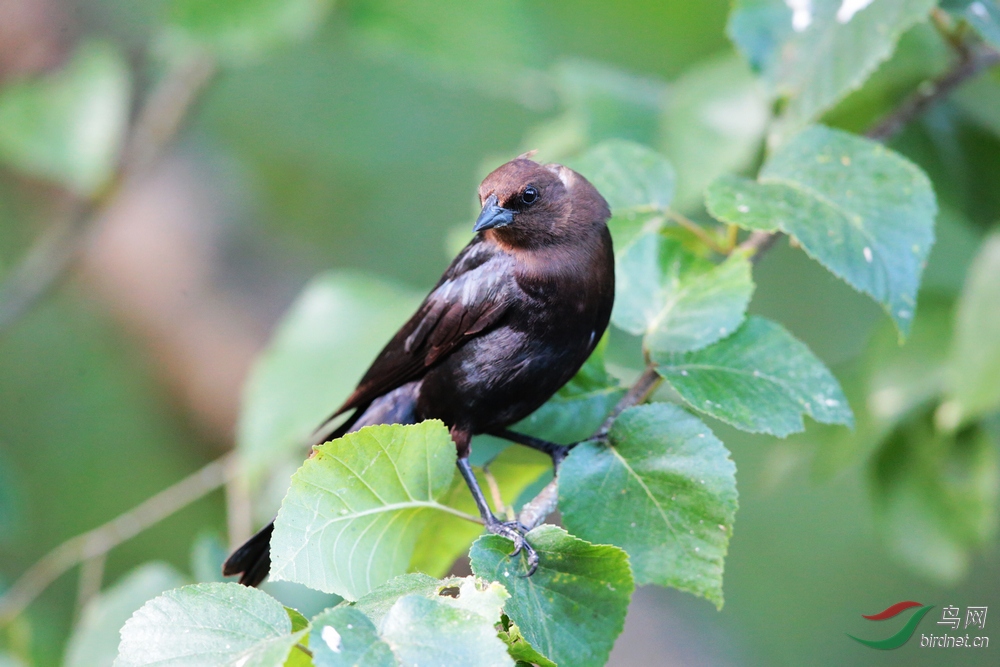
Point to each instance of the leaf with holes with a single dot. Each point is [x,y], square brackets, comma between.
[210,625]
[345,637]
[760,379]
[573,607]
[676,300]
[861,210]
[663,489]
[356,508]
[629,175]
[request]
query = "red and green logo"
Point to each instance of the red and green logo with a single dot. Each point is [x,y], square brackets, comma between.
[904,634]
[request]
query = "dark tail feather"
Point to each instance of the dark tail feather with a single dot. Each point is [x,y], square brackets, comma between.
[252,560]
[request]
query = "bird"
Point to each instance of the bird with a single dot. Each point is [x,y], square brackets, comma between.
[512,319]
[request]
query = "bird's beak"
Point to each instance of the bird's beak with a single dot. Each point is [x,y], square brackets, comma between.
[493,215]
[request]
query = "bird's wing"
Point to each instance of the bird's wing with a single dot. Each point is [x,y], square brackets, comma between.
[471,296]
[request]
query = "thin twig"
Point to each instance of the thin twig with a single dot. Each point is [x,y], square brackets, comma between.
[542,505]
[913,106]
[99,541]
[703,235]
[758,243]
[89,584]
[52,256]
[933,91]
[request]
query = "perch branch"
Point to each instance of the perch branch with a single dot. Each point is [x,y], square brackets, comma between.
[758,243]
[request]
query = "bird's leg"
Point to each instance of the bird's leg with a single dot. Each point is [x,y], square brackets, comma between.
[557,452]
[512,530]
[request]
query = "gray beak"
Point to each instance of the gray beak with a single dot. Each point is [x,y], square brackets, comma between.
[493,215]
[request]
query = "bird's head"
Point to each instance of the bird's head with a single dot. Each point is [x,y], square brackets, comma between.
[527,204]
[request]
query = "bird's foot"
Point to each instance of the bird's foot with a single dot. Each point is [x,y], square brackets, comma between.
[514,532]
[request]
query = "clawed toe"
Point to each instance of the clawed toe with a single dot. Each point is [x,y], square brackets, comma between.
[513,531]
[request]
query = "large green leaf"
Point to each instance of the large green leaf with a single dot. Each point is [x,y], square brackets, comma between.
[94,642]
[676,300]
[69,126]
[823,49]
[208,625]
[446,537]
[664,489]
[863,211]
[414,620]
[573,607]
[424,631]
[320,351]
[715,120]
[629,175]
[345,637]
[356,508]
[975,357]
[761,379]
[240,31]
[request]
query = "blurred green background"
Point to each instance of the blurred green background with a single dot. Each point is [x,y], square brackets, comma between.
[361,147]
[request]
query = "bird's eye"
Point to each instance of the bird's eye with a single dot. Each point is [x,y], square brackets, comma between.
[529,195]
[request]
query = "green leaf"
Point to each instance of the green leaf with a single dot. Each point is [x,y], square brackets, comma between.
[70,126]
[813,56]
[579,407]
[377,603]
[629,175]
[663,489]
[573,607]
[356,508]
[714,123]
[761,379]
[982,15]
[321,349]
[974,376]
[94,642]
[677,300]
[345,637]
[241,31]
[935,495]
[209,625]
[861,210]
[423,631]
[446,537]
[520,648]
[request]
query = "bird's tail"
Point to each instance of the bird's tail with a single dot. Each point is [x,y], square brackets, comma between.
[252,561]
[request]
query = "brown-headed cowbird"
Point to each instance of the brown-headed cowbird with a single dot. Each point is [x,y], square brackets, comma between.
[511,320]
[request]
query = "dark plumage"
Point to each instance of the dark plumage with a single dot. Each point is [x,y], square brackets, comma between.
[511,320]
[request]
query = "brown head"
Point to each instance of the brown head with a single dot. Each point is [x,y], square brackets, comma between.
[529,205]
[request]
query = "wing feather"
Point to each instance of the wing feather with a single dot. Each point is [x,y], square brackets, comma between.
[471,297]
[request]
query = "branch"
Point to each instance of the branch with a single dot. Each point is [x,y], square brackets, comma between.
[541,506]
[758,243]
[50,259]
[95,543]
[908,110]
[933,91]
